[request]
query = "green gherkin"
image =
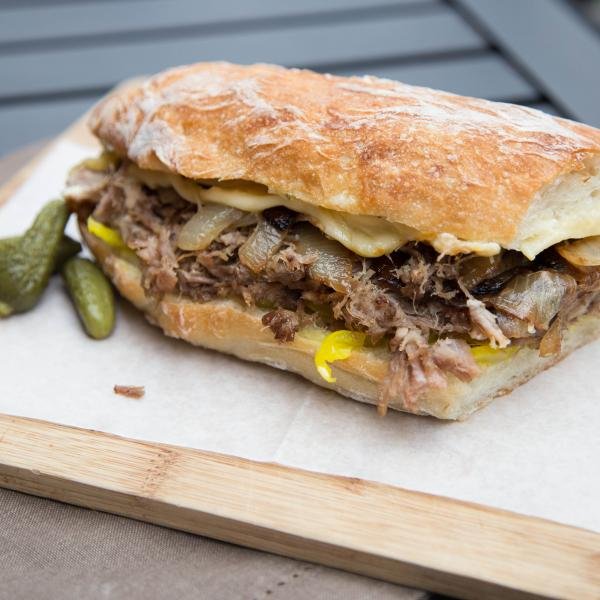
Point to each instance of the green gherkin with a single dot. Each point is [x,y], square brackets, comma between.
[92,296]
[27,262]
[67,248]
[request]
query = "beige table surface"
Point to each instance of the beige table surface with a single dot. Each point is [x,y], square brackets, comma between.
[50,550]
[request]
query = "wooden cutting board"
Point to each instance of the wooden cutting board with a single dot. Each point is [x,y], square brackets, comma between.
[421,540]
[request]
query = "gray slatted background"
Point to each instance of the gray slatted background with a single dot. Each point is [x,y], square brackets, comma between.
[57,58]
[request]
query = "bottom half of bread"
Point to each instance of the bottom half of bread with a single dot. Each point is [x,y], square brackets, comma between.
[229,326]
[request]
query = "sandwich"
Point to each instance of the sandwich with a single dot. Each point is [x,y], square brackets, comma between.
[405,247]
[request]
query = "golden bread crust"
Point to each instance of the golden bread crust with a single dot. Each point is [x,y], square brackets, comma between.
[229,327]
[434,161]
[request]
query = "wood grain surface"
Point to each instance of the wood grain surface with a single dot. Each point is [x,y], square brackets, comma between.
[430,542]
[407,537]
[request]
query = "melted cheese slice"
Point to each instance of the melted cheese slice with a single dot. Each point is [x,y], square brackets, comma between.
[365,235]
[446,243]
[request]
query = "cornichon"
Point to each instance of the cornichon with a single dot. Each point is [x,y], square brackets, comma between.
[67,248]
[92,296]
[26,265]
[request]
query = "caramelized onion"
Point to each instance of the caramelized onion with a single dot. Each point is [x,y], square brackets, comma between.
[206,225]
[280,217]
[476,270]
[552,341]
[534,297]
[260,246]
[333,264]
[513,327]
[249,218]
[581,253]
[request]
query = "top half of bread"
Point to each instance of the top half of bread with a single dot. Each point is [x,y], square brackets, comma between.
[434,161]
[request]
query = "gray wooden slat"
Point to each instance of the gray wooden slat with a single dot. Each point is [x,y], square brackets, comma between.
[95,18]
[27,123]
[487,76]
[49,71]
[550,40]
[37,3]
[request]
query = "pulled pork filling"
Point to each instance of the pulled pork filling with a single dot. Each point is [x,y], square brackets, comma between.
[430,310]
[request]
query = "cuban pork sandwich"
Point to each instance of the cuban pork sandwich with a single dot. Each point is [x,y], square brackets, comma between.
[406,247]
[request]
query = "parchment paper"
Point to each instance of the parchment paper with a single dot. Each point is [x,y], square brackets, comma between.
[536,451]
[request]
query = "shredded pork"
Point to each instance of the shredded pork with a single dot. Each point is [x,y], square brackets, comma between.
[283,323]
[413,298]
[485,325]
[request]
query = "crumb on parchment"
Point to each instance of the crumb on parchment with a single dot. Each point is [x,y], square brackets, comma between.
[130,391]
